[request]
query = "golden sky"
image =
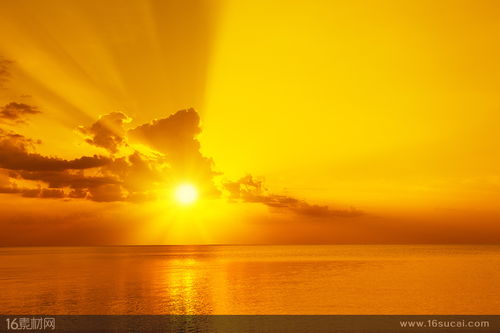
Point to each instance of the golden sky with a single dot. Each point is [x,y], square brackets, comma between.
[294,121]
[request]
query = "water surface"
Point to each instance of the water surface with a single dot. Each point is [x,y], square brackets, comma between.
[333,279]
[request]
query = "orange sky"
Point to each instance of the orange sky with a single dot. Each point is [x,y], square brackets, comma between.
[313,122]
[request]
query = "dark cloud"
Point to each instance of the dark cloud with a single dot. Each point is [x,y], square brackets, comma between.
[16,112]
[34,192]
[136,172]
[31,193]
[8,189]
[135,177]
[130,178]
[125,178]
[60,179]
[52,193]
[8,186]
[107,132]
[248,189]
[176,137]
[15,155]
[107,193]
[78,193]
[58,174]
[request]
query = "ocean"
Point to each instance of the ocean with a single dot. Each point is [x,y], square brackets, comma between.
[223,279]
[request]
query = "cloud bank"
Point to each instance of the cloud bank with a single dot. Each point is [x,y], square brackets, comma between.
[125,173]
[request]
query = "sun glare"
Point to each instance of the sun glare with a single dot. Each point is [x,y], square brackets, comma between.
[186,194]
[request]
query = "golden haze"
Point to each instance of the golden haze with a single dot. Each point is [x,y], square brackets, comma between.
[389,107]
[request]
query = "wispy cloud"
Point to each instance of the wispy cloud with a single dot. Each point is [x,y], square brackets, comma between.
[16,112]
[248,189]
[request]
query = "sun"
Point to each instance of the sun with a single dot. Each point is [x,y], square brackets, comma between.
[186,194]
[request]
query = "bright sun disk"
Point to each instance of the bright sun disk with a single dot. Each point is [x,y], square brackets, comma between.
[186,194]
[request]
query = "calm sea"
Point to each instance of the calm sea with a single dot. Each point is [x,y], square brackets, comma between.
[333,279]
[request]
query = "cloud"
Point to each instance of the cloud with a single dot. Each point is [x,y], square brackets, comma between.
[78,194]
[127,178]
[52,193]
[60,179]
[137,173]
[31,193]
[248,189]
[15,155]
[9,189]
[107,193]
[132,178]
[176,138]
[6,184]
[34,192]
[136,176]
[16,112]
[107,132]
